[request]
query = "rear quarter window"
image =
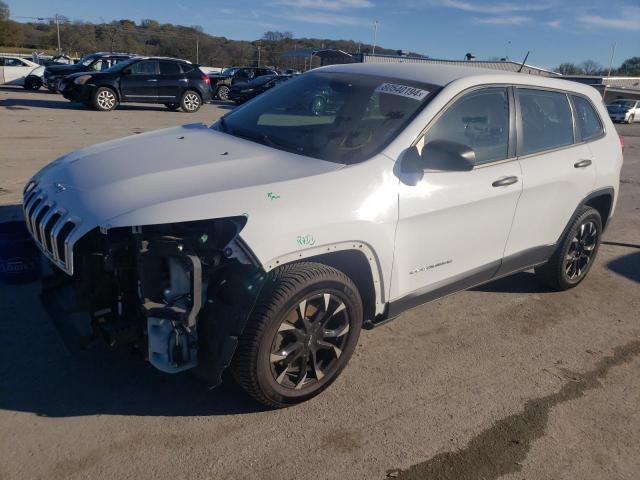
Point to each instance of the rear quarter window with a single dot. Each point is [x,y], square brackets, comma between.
[546,120]
[587,119]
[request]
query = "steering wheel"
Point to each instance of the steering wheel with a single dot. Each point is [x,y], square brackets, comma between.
[349,140]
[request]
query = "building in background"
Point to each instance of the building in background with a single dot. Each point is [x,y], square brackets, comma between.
[612,88]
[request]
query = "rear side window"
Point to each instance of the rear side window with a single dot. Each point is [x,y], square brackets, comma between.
[169,68]
[186,68]
[587,120]
[546,120]
[144,68]
[479,120]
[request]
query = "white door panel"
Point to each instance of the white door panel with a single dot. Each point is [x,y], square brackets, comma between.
[552,189]
[452,223]
[15,75]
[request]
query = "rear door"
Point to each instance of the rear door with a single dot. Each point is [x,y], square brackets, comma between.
[558,172]
[171,81]
[139,81]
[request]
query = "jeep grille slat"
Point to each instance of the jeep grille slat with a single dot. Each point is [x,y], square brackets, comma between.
[50,226]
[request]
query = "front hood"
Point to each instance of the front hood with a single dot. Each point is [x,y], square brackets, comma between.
[135,180]
[63,69]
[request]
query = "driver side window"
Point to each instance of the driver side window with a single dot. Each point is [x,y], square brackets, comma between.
[479,120]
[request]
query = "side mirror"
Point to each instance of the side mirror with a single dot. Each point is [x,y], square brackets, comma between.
[448,156]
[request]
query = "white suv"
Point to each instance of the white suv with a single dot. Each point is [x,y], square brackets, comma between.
[334,202]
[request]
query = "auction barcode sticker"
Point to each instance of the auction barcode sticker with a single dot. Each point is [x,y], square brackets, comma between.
[402,90]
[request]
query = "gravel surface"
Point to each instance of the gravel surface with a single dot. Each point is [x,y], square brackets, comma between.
[507,380]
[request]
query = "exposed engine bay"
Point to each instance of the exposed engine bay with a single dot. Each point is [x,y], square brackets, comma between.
[180,293]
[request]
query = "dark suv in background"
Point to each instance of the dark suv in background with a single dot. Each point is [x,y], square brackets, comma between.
[243,91]
[222,82]
[94,62]
[172,82]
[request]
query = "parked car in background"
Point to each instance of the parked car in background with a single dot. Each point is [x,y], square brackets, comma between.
[94,62]
[243,91]
[266,243]
[221,83]
[626,110]
[169,81]
[14,70]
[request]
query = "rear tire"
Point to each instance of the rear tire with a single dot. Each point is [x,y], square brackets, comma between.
[576,252]
[300,335]
[105,99]
[190,101]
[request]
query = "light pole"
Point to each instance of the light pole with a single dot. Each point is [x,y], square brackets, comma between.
[58,30]
[375,36]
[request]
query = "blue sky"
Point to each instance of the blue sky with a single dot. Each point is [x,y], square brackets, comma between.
[554,30]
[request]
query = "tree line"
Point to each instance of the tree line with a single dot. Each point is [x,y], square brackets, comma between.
[149,37]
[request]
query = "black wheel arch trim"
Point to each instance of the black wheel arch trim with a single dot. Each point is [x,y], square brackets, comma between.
[606,191]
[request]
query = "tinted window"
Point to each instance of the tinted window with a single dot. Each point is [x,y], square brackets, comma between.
[186,68]
[144,68]
[169,68]
[546,120]
[479,120]
[13,62]
[587,119]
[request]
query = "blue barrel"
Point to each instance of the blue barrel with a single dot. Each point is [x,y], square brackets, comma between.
[20,260]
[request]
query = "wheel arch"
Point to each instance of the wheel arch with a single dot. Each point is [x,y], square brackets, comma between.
[113,88]
[602,201]
[357,260]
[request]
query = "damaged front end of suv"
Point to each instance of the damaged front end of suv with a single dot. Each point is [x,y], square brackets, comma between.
[179,293]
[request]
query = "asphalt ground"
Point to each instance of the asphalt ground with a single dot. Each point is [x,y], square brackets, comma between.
[508,380]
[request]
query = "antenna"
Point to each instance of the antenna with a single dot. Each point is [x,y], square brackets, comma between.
[523,62]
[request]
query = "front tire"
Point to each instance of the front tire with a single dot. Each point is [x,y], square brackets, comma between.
[105,99]
[300,335]
[32,84]
[576,253]
[190,101]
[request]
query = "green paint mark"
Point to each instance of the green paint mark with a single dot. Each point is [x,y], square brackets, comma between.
[272,196]
[204,237]
[306,240]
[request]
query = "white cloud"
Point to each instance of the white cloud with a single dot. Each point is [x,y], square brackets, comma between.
[333,5]
[499,7]
[512,20]
[630,20]
[325,18]
[554,23]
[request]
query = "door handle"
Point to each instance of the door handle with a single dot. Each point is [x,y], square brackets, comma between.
[503,182]
[582,163]
[152,80]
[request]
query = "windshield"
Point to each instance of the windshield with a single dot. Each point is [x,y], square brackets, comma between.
[339,117]
[120,65]
[229,71]
[86,61]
